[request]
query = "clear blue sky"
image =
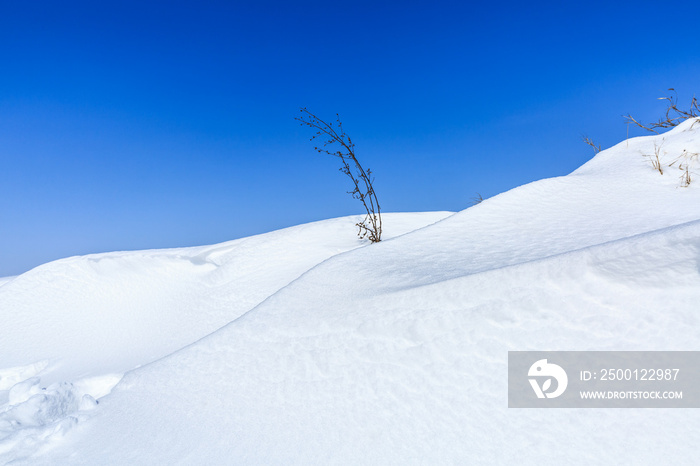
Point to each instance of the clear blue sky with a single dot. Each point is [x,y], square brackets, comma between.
[132,125]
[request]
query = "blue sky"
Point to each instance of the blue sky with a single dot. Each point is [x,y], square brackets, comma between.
[133,125]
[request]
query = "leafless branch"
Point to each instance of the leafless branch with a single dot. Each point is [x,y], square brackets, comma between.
[673,116]
[590,142]
[363,188]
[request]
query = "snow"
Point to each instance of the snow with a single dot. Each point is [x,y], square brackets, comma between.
[108,313]
[4,280]
[89,319]
[304,346]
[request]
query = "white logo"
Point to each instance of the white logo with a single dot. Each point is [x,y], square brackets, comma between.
[543,369]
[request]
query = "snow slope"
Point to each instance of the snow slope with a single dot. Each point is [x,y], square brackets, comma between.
[111,312]
[89,319]
[396,353]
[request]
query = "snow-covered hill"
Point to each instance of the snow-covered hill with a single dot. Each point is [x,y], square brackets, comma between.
[108,313]
[394,353]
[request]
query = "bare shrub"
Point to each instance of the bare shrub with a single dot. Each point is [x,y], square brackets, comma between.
[655,160]
[685,162]
[589,141]
[673,117]
[334,134]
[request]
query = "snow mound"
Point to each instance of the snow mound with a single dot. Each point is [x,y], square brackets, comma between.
[417,375]
[397,353]
[109,313]
[89,319]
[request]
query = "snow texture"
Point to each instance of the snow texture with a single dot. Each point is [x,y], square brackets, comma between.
[305,347]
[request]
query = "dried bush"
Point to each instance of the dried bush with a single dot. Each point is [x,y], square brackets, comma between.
[673,117]
[590,142]
[685,163]
[655,159]
[371,226]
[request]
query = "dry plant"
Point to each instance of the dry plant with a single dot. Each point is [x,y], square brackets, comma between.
[590,142]
[685,175]
[655,160]
[685,163]
[478,199]
[673,117]
[371,226]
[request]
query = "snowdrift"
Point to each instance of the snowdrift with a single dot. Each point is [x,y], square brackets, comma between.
[111,312]
[394,353]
